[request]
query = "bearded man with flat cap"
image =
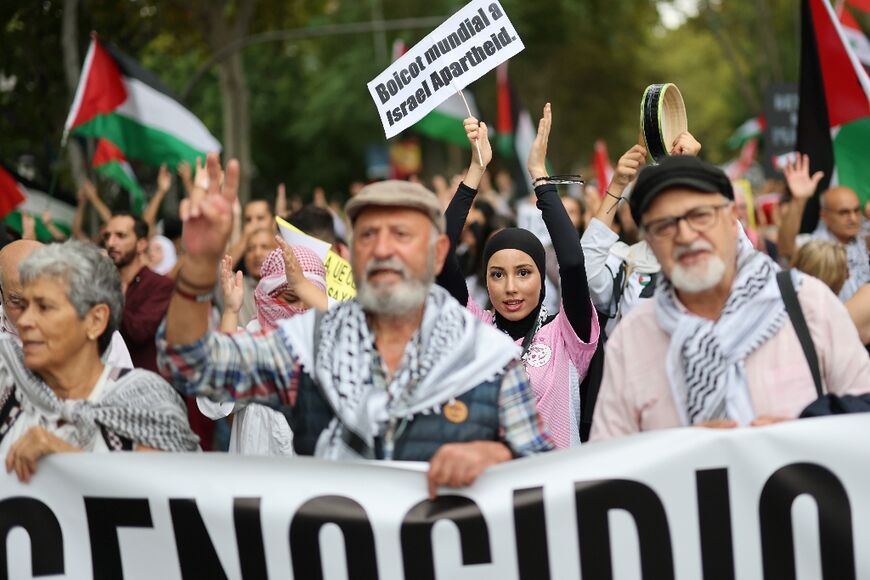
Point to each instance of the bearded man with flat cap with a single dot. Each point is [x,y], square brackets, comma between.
[401,372]
[716,345]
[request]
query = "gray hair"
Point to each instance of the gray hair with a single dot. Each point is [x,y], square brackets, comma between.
[91,276]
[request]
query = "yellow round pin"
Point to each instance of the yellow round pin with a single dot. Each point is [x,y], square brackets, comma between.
[456,412]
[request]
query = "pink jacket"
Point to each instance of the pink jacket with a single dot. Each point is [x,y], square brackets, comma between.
[556,364]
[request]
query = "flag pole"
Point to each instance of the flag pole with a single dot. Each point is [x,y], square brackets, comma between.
[477,142]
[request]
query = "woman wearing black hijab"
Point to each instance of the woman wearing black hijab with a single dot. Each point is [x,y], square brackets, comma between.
[556,349]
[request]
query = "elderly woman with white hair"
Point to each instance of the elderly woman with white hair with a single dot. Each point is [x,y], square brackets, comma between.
[56,394]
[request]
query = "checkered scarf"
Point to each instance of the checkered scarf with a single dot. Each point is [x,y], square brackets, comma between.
[451,353]
[706,357]
[857,257]
[271,307]
[142,407]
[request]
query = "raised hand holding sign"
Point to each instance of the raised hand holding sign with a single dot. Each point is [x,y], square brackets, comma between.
[469,44]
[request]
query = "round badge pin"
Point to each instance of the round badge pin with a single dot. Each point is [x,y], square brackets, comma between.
[456,412]
[539,355]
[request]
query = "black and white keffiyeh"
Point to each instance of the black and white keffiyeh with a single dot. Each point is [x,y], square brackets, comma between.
[857,256]
[451,353]
[705,361]
[142,407]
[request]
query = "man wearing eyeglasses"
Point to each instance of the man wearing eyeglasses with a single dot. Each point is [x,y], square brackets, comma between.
[715,346]
[840,221]
[13,304]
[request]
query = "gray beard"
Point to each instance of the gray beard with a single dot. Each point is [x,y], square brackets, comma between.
[398,299]
[402,298]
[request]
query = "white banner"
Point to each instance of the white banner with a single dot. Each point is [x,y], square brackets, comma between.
[468,45]
[782,502]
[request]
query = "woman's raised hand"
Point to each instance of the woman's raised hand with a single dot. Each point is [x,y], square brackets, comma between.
[538,155]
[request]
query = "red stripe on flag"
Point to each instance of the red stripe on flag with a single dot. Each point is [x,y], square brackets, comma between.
[10,193]
[603,167]
[104,88]
[504,122]
[844,94]
[106,152]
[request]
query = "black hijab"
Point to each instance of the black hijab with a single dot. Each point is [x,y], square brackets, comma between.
[524,241]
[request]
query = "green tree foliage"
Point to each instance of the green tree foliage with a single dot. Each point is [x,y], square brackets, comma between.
[724,59]
[312,117]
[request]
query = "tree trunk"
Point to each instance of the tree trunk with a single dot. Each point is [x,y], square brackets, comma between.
[743,84]
[765,21]
[237,124]
[71,59]
[233,85]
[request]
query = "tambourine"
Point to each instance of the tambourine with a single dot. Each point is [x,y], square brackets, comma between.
[662,119]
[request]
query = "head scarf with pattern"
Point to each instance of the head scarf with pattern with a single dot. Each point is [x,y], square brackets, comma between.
[271,306]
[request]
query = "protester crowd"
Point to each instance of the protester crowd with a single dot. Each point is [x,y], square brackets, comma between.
[651,302]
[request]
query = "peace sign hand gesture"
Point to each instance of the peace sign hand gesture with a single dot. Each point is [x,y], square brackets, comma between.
[207,214]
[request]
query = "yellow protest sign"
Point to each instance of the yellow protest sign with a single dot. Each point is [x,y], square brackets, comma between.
[339,277]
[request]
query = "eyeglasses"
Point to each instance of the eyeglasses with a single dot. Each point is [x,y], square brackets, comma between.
[700,219]
[13,301]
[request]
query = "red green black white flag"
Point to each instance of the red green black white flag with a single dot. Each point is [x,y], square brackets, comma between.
[834,113]
[120,101]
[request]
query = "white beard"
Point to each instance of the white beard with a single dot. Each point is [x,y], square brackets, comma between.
[700,277]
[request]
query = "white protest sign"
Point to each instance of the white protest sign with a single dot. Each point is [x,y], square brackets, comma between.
[779,503]
[468,45]
[296,237]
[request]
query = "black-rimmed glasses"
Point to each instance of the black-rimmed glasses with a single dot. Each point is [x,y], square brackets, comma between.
[700,219]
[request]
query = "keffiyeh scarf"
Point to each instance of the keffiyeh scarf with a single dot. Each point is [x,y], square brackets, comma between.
[857,256]
[451,353]
[271,307]
[705,360]
[143,407]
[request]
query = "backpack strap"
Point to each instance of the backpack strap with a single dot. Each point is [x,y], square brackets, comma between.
[796,314]
[616,295]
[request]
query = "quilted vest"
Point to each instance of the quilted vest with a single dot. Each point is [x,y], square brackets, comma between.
[419,438]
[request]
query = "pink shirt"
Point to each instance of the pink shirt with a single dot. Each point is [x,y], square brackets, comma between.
[636,396]
[557,362]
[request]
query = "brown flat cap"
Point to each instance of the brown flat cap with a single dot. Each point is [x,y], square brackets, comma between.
[396,193]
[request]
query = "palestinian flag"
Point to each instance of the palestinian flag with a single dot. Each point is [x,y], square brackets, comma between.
[834,114]
[21,196]
[751,129]
[12,192]
[515,130]
[120,101]
[855,19]
[444,123]
[111,163]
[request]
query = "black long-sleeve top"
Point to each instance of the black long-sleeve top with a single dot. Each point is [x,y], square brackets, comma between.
[566,243]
